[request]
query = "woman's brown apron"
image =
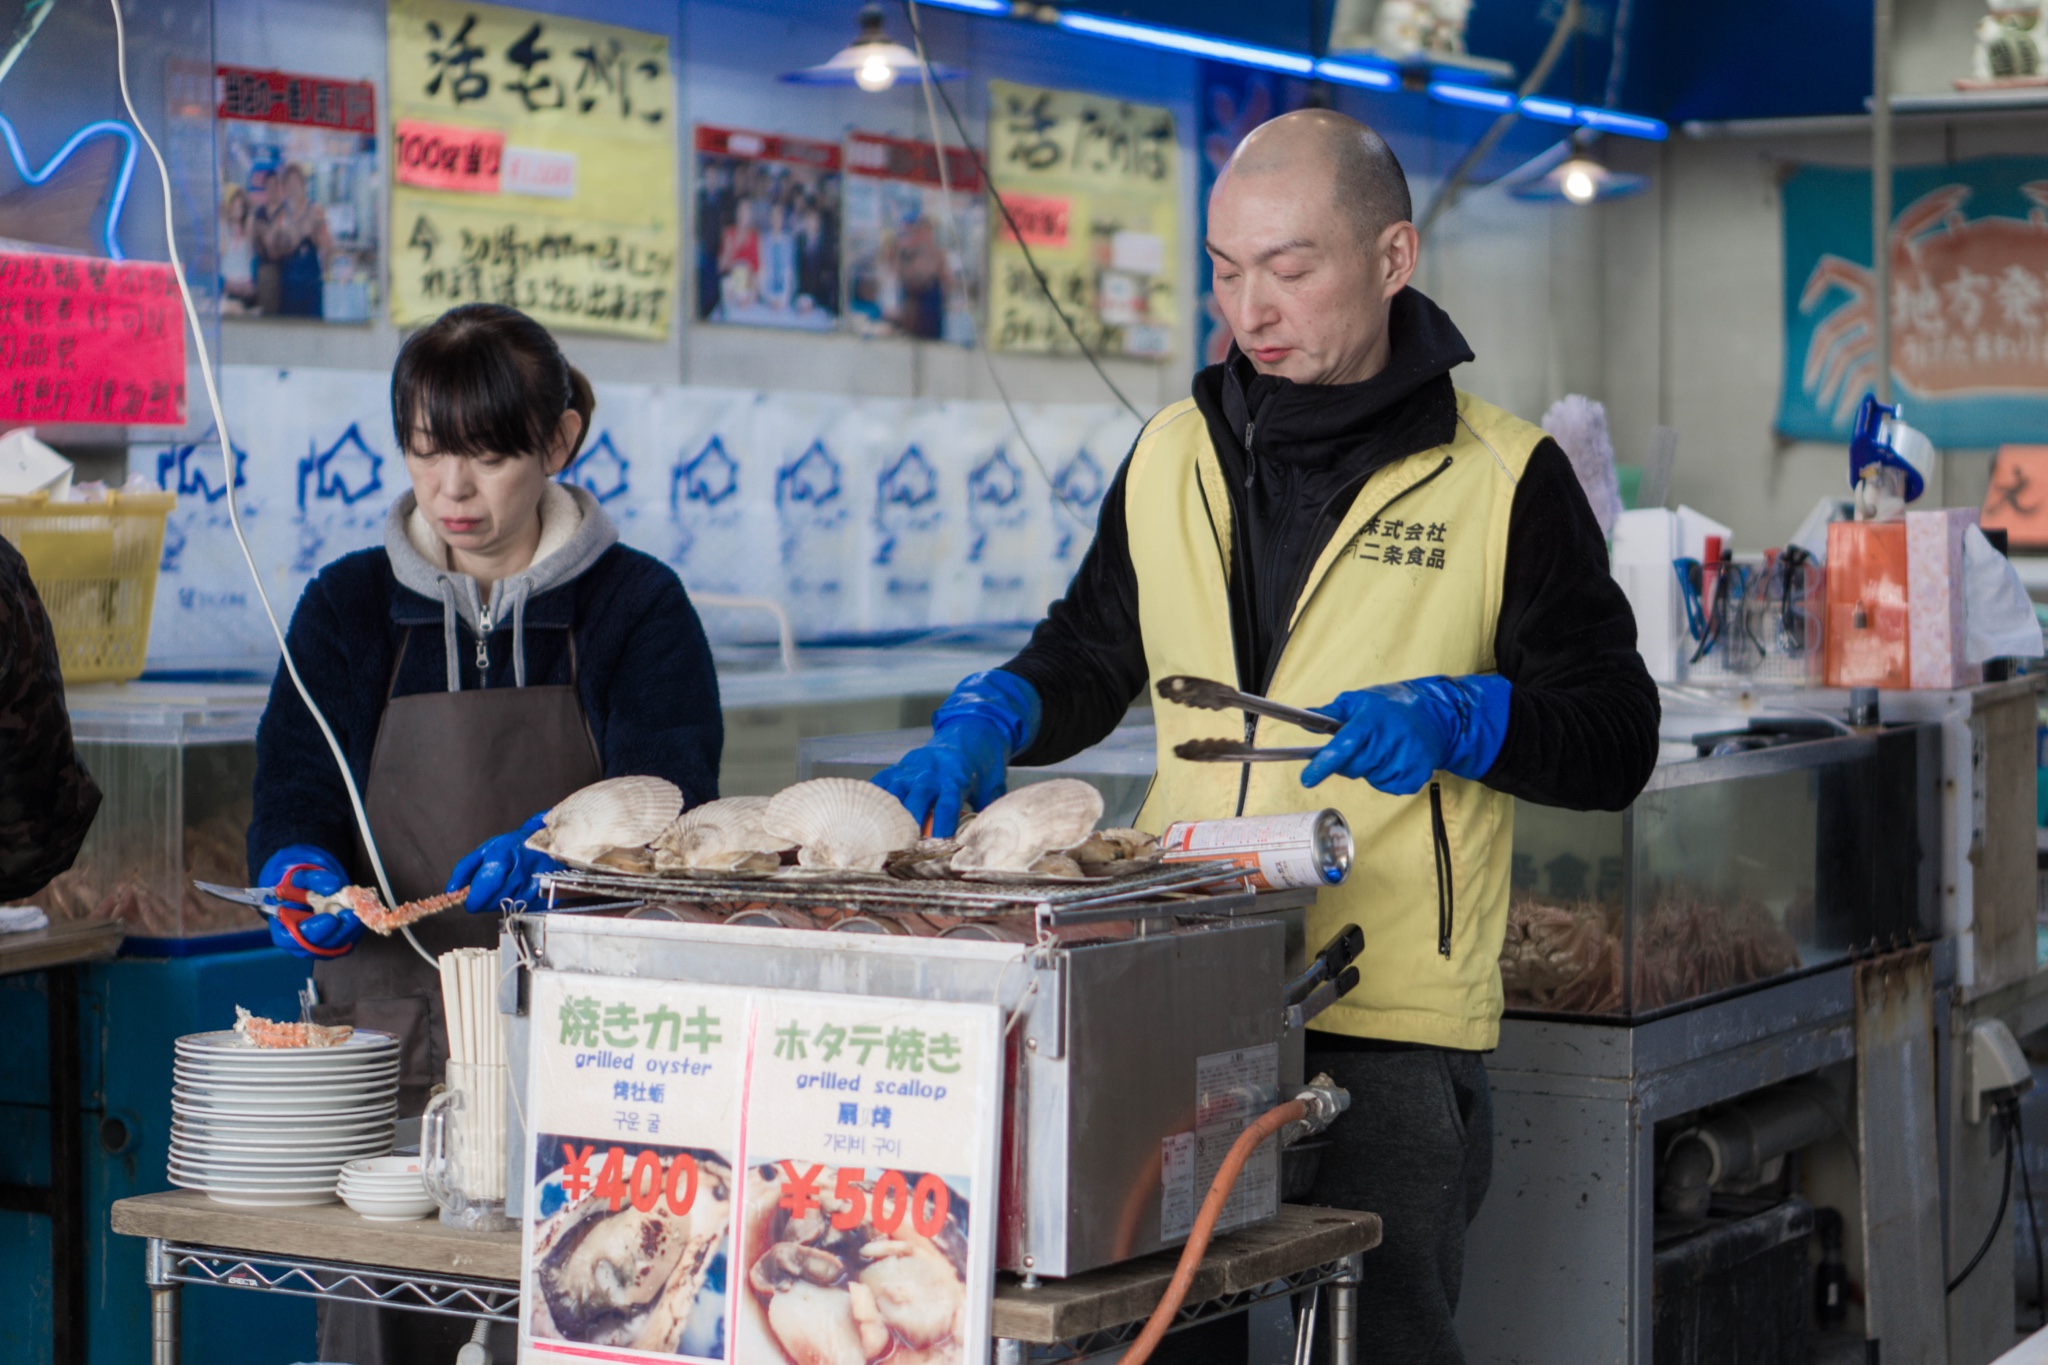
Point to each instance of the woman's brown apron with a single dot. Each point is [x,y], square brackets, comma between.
[449,770]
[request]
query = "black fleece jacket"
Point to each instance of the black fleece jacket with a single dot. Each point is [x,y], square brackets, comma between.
[1582,718]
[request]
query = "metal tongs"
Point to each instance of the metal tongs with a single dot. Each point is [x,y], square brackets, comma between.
[1209,695]
[1328,978]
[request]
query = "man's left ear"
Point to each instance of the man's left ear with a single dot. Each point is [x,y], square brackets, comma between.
[1401,248]
[568,436]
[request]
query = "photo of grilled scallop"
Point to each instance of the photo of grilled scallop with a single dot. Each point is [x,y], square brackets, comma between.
[814,1293]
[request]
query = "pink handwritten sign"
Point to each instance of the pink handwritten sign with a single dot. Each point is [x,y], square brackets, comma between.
[436,156]
[1042,218]
[88,340]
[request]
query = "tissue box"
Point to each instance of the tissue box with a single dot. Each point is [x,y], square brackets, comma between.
[1868,626]
[1895,602]
[1934,597]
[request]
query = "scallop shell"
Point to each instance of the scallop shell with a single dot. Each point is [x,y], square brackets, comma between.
[1015,832]
[721,835]
[841,823]
[619,813]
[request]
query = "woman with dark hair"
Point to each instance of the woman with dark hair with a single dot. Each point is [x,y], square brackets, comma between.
[501,651]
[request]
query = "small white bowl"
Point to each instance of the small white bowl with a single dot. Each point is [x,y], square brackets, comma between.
[386,1209]
[384,1166]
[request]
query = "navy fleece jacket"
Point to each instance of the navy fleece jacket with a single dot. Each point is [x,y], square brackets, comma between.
[643,669]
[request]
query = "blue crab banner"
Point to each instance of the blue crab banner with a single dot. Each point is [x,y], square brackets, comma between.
[1969,261]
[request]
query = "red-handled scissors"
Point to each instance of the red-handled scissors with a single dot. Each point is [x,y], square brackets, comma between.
[288,901]
[294,909]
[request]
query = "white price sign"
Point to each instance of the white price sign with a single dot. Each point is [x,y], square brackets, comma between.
[870,1207]
[766,1177]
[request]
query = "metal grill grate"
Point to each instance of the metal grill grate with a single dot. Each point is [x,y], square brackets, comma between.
[1175,888]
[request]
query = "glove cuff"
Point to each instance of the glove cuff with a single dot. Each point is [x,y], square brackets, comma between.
[1483,724]
[1002,700]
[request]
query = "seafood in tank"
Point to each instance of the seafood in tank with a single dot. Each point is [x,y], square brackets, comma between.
[1568,957]
[891,1285]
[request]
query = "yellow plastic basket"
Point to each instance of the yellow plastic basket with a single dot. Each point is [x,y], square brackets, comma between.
[94,565]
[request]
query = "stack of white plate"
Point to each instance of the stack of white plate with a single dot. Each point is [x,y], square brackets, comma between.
[386,1189]
[274,1126]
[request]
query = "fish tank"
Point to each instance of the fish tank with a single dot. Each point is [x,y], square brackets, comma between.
[176,768]
[1772,855]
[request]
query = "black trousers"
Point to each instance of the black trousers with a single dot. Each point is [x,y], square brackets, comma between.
[1416,1147]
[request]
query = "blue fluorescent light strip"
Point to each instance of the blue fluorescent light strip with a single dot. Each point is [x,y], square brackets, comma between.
[1176,41]
[1629,125]
[1551,111]
[90,130]
[1348,73]
[1351,73]
[1471,96]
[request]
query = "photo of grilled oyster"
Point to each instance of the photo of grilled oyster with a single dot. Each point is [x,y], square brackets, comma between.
[632,1277]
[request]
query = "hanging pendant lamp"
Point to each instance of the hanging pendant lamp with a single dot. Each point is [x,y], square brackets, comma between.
[871,61]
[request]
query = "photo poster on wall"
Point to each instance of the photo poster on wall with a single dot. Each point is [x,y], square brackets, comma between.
[301,196]
[768,214]
[1234,100]
[1969,261]
[533,164]
[907,275]
[1094,186]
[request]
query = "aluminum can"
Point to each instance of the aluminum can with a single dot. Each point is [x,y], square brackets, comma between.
[1307,848]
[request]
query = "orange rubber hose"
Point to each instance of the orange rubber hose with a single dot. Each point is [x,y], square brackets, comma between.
[1269,1123]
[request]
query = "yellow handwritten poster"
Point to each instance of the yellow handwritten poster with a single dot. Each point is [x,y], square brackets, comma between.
[1094,186]
[532,163]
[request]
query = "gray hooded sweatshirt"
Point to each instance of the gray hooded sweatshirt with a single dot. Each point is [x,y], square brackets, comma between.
[574,532]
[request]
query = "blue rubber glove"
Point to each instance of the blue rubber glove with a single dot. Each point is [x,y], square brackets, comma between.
[1396,736]
[338,930]
[504,868]
[988,718]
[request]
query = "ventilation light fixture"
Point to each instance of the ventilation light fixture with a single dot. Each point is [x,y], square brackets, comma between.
[871,61]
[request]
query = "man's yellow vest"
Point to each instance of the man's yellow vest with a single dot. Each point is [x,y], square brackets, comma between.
[1408,586]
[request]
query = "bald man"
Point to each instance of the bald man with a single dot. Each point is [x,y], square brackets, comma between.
[1330,522]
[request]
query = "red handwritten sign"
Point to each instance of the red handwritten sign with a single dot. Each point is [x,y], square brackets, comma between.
[1041,218]
[282,97]
[436,156]
[87,340]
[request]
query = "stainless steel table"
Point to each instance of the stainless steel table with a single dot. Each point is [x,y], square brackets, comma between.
[327,1252]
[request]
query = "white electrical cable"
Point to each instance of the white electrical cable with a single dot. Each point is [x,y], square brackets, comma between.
[955,260]
[220,427]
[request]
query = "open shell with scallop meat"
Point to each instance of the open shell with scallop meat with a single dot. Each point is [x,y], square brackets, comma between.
[1013,835]
[726,836]
[607,826]
[839,824]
